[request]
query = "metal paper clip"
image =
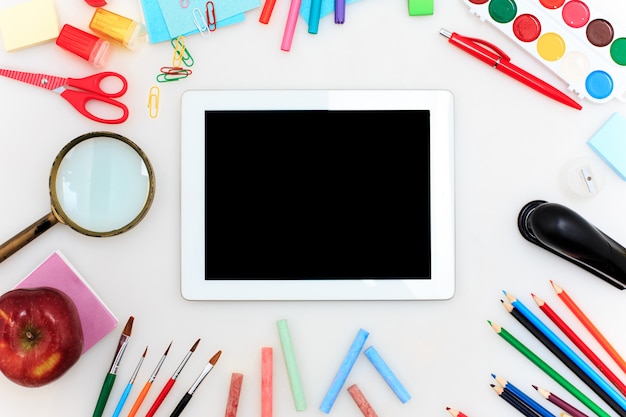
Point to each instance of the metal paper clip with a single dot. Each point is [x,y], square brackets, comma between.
[153,101]
[200,22]
[184,3]
[210,16]
[172,74]
[181,53]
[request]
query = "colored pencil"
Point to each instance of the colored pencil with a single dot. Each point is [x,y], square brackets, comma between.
[569,359]
[361,401]
[189,394]
[109,380]
[589,326]
[561,403]
[456,413]
[168,385]
[131,382]
[514,401]
[580,344]
[539,409]
[148,384]
[551,372]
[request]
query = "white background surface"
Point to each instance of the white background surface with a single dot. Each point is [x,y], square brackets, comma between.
[512,146]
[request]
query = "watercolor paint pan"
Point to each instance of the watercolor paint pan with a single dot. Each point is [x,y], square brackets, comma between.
[572,38]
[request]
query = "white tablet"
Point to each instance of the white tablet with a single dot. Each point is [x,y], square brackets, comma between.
[317,195]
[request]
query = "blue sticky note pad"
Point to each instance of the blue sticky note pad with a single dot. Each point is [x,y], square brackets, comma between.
[328,7]
[610,143]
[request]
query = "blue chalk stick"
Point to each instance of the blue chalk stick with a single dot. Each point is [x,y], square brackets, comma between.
[387,374]
[344,370]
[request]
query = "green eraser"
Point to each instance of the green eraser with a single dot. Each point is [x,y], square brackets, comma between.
[421,7]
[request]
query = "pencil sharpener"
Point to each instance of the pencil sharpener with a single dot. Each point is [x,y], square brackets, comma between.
[565,233]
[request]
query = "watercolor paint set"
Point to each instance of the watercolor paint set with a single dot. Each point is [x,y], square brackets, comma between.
[572,38]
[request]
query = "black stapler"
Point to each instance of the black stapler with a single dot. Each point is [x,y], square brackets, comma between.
[565,233]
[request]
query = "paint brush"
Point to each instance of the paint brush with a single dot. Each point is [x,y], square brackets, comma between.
[168,386]
[185,400]
[148,384]
[122,401]
[109,380]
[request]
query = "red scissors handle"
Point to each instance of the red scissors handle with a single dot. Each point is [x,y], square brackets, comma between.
[92,90]
[94,82]
[80,101]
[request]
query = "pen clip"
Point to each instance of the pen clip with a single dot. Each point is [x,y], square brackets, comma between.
[503,56]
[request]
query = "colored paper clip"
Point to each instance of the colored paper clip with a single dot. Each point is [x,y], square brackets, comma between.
[153,101]
[200,22]
[184,3]
[181,53]
[210,16]
[172,74]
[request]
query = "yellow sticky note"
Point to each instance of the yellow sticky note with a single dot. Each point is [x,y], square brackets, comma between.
[29,23]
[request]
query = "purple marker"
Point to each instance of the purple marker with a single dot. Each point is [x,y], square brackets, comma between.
[340,11]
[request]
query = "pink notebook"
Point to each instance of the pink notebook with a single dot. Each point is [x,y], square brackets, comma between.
[95,316]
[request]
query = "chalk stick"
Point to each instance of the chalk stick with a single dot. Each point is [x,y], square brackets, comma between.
[291,364]
[387,374]
[236,380]
[361,401]
[344,370]
[267,363]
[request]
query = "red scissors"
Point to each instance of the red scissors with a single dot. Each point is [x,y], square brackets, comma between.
[84,90]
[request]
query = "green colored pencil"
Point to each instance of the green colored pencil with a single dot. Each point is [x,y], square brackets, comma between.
[548,369]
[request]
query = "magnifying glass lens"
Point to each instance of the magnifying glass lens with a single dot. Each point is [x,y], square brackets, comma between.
[101,186]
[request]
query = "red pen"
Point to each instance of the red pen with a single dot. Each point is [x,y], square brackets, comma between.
[168,386]
[494,56]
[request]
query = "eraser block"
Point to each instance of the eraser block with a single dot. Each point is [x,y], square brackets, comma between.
[610,143]
[56,272]
[421,7]
[28,24]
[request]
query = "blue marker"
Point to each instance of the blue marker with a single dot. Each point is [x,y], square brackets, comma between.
[387,374]
[344,370]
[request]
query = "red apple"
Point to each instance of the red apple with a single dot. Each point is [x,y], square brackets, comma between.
[41,336]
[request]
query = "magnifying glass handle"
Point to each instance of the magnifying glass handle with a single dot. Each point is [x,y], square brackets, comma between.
[20,240]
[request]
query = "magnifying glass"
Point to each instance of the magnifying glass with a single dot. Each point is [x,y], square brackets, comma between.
[101,184]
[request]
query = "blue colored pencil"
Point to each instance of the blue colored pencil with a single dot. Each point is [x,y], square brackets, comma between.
[573,356]
[523,397]
[387,374]
[344,370]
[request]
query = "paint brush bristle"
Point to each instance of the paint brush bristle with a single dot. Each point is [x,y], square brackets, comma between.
[195,345]
[215,357]
[129,327]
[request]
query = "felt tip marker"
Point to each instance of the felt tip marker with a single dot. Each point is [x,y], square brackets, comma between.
[494,56]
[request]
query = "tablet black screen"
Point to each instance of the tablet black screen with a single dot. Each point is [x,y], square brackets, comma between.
[317,194]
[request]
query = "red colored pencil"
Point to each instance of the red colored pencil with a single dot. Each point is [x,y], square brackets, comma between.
[590,326]
[580,344]
[456,413]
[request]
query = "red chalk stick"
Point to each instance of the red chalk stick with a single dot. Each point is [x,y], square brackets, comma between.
[361,401]
[266,381]
[236,379]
